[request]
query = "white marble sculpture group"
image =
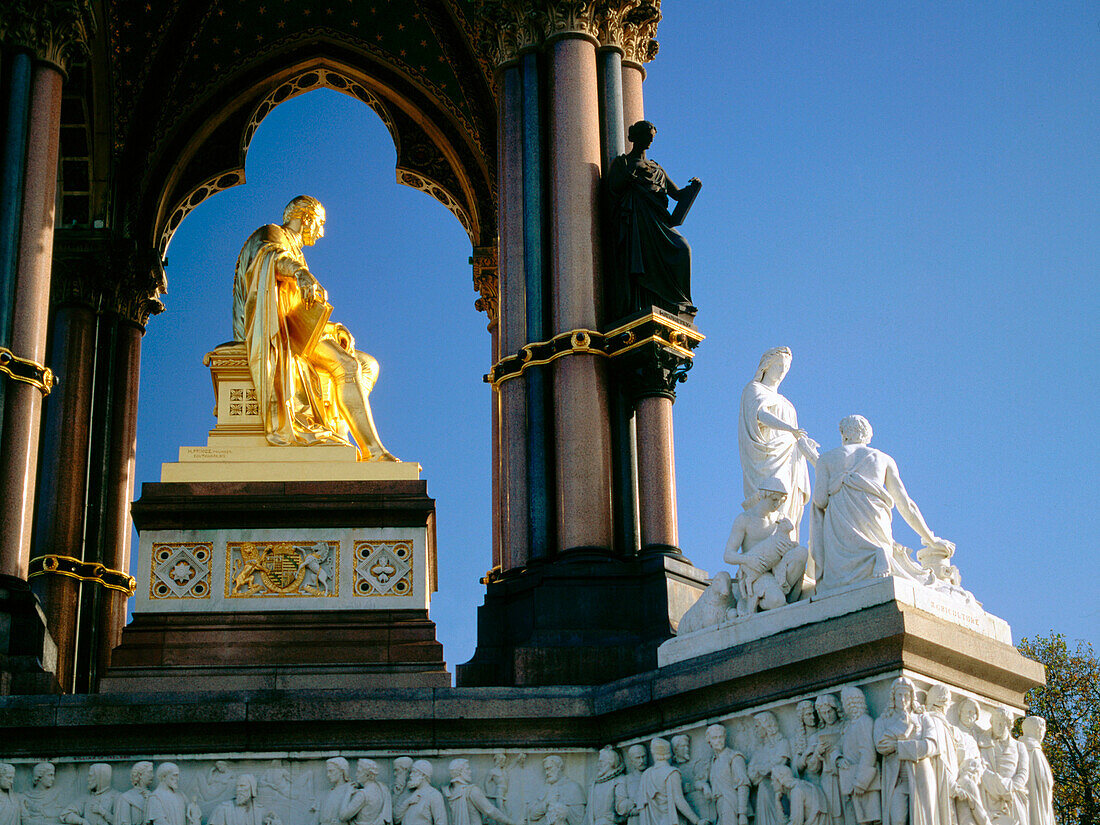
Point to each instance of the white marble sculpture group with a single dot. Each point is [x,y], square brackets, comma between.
[912,765]
[852,502]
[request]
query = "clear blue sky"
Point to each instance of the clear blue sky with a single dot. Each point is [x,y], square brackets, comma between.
[907,195]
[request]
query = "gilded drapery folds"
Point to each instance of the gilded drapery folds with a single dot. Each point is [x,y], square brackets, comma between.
[511,26]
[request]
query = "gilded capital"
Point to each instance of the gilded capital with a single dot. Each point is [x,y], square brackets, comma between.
[640,31]
[611,17]
[577,16]
[141,281]
[54,30]
[484,262]
[508,27]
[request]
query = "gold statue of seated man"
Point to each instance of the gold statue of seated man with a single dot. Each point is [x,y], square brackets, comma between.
[298,360]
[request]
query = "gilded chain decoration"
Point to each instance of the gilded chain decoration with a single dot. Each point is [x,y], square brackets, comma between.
[56,31]
[92,572]
[26,371]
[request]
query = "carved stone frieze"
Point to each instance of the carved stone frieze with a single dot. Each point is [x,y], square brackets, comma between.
[56,31]
[884,750]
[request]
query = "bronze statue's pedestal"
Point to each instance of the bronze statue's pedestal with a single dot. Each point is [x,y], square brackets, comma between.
[273,585]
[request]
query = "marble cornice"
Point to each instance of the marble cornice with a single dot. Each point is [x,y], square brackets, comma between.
[55,31]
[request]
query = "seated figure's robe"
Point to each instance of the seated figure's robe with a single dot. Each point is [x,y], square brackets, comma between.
[288,387]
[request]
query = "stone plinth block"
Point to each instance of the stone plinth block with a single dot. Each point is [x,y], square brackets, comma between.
[961,610]
[235,579]
[584,619]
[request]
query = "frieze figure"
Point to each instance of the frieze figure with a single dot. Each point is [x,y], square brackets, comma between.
[1004,782]
[771,562]
[652,261]
[636,762]
[11,803]
[243,809]
[773,750]
[496,781]
[802,745]
[42,800]
[857,490]
[769,440]
[857,762]
[131,805]
[906,740]
[291,347]
[1040,780]
[945,759]
[662,790]
[402,765]
[825,753]
[167,806]
[692,773]
[370,802]
[609,803]
[98,807]
[424,805]
[727,782]
[469,804]
[561,801]
[331,808]
[967,790]
[805,799]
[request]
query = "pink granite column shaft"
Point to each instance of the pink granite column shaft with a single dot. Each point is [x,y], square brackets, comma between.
[23,413]
[633,110]
[656,472]
[581,424]
[513,323]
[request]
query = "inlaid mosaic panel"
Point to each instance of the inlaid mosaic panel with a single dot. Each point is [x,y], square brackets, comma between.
[262,569]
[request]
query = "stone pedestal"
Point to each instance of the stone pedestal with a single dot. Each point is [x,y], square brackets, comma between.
[251,585]
[262,566]
[579,620]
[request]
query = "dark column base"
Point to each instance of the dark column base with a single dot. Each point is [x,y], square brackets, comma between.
[28,655]
[579,620]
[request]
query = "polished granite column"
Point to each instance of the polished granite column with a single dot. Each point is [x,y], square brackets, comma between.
[581,416]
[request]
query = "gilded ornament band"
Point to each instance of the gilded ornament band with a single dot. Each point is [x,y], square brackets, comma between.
[26,371]
[652,328]
[85,571]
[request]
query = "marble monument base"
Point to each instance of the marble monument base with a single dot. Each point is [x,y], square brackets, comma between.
[28,654]
[262,585]
[962,612]
[580,619]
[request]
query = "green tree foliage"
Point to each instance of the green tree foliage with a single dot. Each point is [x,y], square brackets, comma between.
[1070,702]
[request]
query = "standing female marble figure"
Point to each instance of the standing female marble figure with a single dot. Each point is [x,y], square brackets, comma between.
[769,439]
